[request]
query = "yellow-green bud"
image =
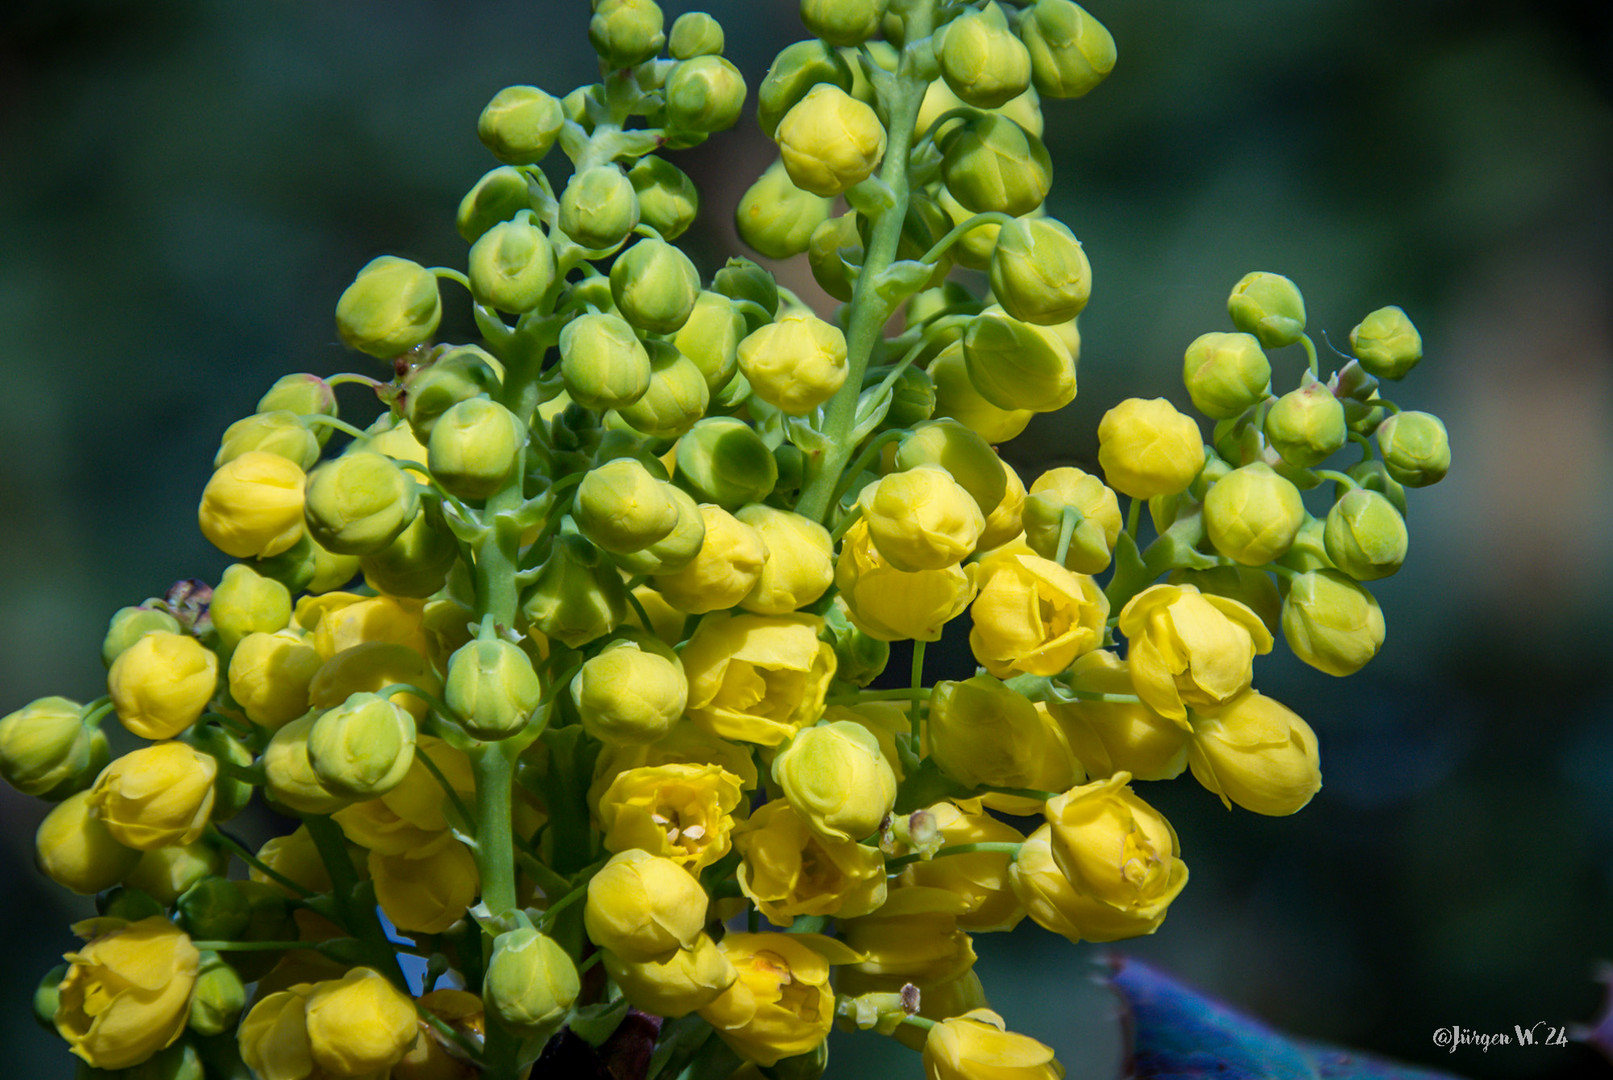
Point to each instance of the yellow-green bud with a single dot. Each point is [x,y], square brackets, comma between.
[1374,477]
[216,997]
[830,141]
[777,218]
[723,460]
[304,395]
[363,747]
[530,984]
[1331,623]
[47,751]
[359,503]
[1386,343]
[492,688]
[511,265]
[1225,374]
[1039,273]
[957,397]
[520,124]
[1070,51]
[1252,515]
[796,363]
[991,163]
[667,199]
[457,375]
[835,255]
[498,196]
[602,362]
[837,779]
[961,452]
[704,94]
[1268,306]
[800,560]
[859,658]
[47,995]
[629,695]
[252,506]
[1416,448]
[293,567]
[416,564]
[577,596]
[230,792]
[626,32]
[245,603]
[75,849]
[676,549]
[330,570]
[1147,448]
[214,909]
[711,337]
[129,625]
[474,447]
[1365,535]
[1306,426]
[654,285]
[1018,365]
[621,507]
[391,307]
[843,22]
[753,290]
[1095,515]
[279,432]
[981,59]
[677,396]
[644,908]
[694,33]
[1309,551]
[921,519]
[599,207]
[795,71]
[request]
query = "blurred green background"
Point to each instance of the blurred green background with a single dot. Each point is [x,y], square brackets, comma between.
[187,185]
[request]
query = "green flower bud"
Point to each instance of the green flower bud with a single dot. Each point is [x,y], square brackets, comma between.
[621,507]
[214,909]
[492,688]
[991,163]
[796,70]
[1252,515]
[711,338]
[474,447]
[280,432]
[1306,426]
[246,602]
[165,873]
[1365,535]
[1374,477]
[777,218]
[961,452]
[694,33]
[47,996]
[704,95]
[391,307]
[630,695]
[181,1061]
[1386,343]
[1018,365]
[129,625]
[1096,518]
[230,792]
[835,256]
[498,196]
[574,106]
[1225,374]
[626,32]
[1249,586]
[577,596]
[1268,306]
[216,998]
[956,397]
[1039,273]
[531,984]
[724,461]
[753,290]
[1331,623]
[358,503]
[843,22]
[456,375]
[829,141]
[859,658]
[667,199]
[520,124]
[1070,51]
[363,747]
[47,751]
[1309,550]
[602,362]
[677,396]
[417,563]
[913,398]
[599,208]
[796,363]
[981,59]
[654,285]
[303,394]
[1416,448]
[512,265]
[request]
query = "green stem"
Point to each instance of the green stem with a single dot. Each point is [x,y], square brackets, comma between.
[1002,847]
[990,217]
[495,842]
[853,516]
[465,816]
[346,377]
[1069,518]
[865,459]
[1310,355]
[359,916]
[1350,483]
[1367,453]
[547,919]
[343,426]
[448,273]
[916,691]
[1105,699]
[254,946]
[1134,515]
[244,853]
[444,1029]
[900,694]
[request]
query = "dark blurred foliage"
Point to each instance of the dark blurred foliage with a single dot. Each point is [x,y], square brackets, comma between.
[186,186]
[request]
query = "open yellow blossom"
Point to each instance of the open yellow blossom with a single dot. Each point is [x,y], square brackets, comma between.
[981,732]
[428,889]
[977,1046]
[781,1004]
[1033,616]
[1190,648]
[757,678]
[978,879]
[789,870]
[127,993]
[682,812]
[410,817]
[359,1024]
[685,744]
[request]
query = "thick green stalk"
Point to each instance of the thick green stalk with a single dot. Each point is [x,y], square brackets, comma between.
[358,913]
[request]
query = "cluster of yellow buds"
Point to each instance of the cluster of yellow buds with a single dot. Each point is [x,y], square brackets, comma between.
[565,666]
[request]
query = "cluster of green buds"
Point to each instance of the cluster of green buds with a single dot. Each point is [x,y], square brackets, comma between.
[565,665]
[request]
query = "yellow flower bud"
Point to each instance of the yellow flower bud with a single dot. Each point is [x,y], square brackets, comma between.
[837,780]
[961,452]
[245,602]
[757,678]
[830,141]
[674,551]
[1071,52]
[796,363]
[981,59]
[644,907]
[391,307]
[979,880]
[1033,616]
[910,940]
[629,694]
[1256,753]
[800,560]
[1416,448]
[279,432]
[46,749]
[1387,344]
[621,507]
[1332,623]
[1039,272]
[921,519]
[426,890]
[983,733]
[990,163]
[289,775]
[531,984]
[655,285]
[603,363]
[677,396]
[166,873]
[1365,535]
[252,506]
[1225,374]
[520,124]
[1252,514]
[794,71]
[725,570]
[454,376]
[690,979]
[683,812]
[1190,648]
[161,684]
[304,395]
[710,339]
[273,1037]
[1110,737]
[1147,448]
[359,1024]
[1095,518]
[415,564]
[362,747]
[776,218]
[1007,521]
[155,796]
[977,1046]
[369,667]
[577,596]
[890,605]
[409,817]
[1268,306]
[704,94]
[667,199]
[474,447]
[127,993]
[359,503]
[77,851]
[293,856]
[492,688]
[780,1005]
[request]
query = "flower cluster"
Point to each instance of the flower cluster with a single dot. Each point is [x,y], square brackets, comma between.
[564,665]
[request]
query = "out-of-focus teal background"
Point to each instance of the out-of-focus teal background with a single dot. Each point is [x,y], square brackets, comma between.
[187,185]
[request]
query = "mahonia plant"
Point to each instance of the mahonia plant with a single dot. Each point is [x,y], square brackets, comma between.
[630,564]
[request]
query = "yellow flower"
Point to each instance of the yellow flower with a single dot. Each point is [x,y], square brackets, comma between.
[890,605]
[683,812]
[273,1037]
[796,363]
[978,879]
[800,560]
[77,851]
[1033,616]
[290,779]
[983,733]
[366,668]
[837,779]
[780,1005]
[921,519]
[911,940]
[410,816]
[1110,737]
[1007,520]
[956,396]
[1256,753]
[788,870]
[270,674]
[628,694]
[1190,648]
[252,506]
[830,141]
[885,720]
[757,678]
[427,890]
[644,907]
[1147,448]
[1092,540]
[156,796]
[725,570]
[127,993]
[341,621]
[684,744]
[976,1046]
[162,683]
[359,1024]
[690,979]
